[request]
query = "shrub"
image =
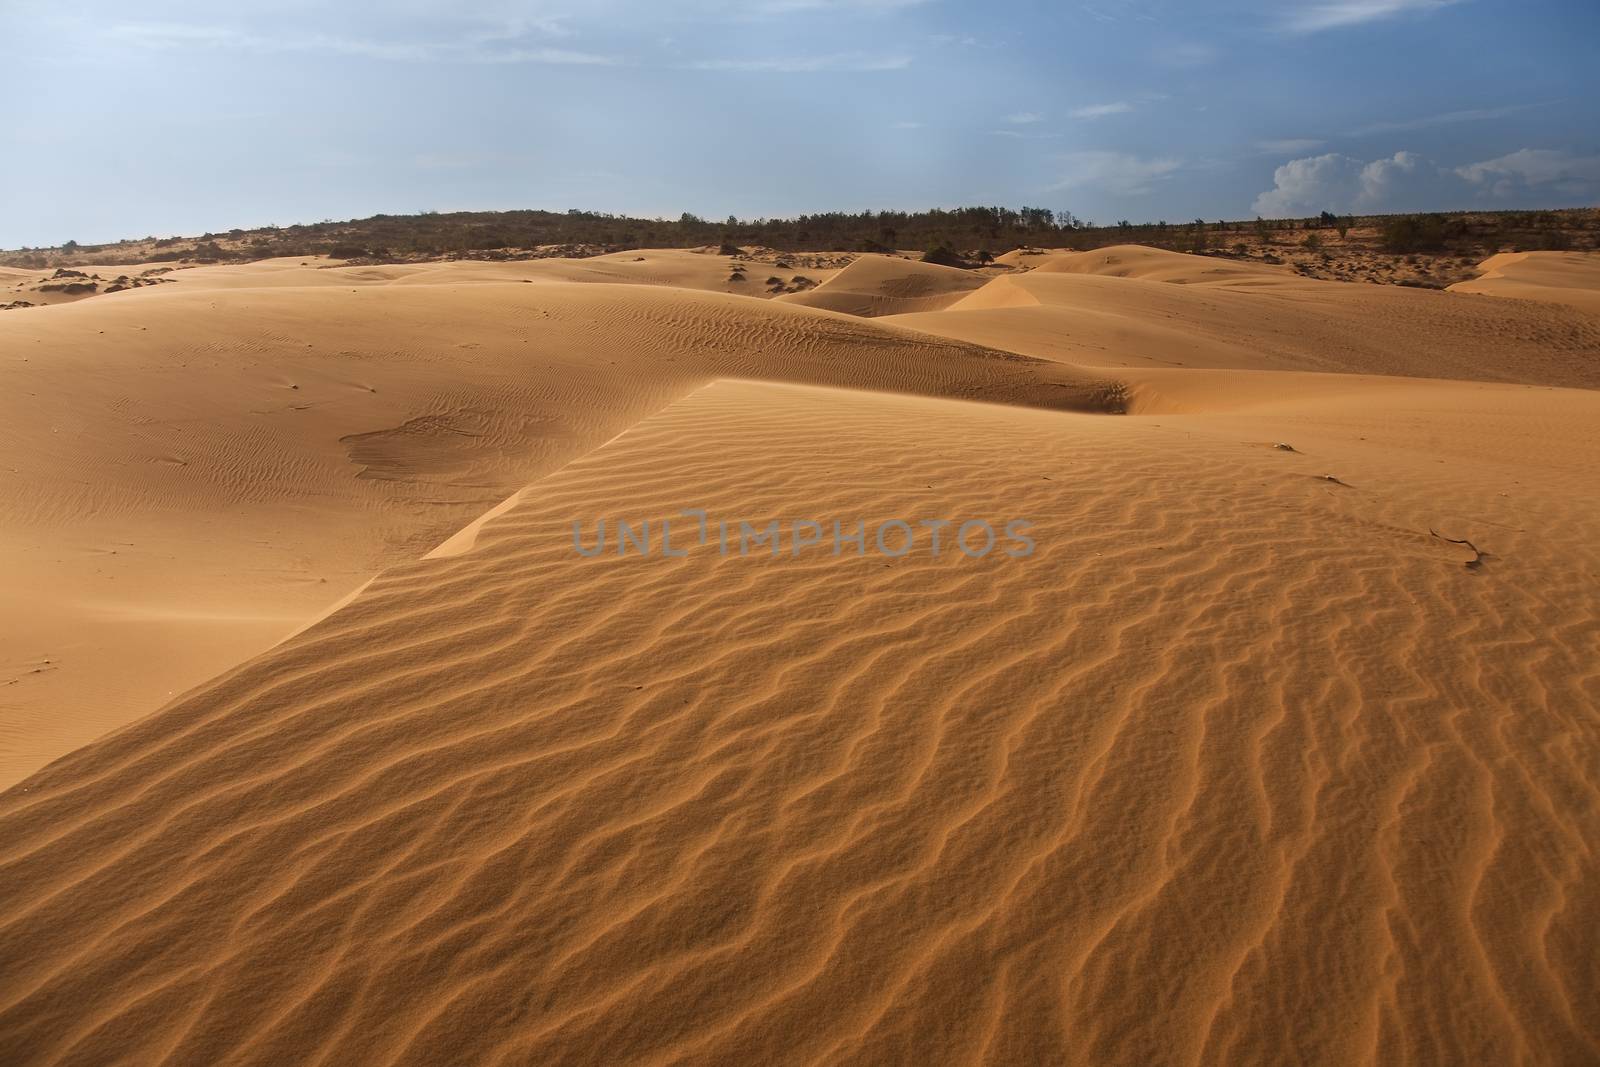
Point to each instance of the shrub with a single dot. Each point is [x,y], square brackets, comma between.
[943,256]
[1414,233]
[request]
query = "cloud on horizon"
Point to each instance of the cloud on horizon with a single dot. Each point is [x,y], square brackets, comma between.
[494,47]
[1314,18]
[1115,172]
[349,96]
[1100,111]
[1406,181]
[1575,176]
[1448,118]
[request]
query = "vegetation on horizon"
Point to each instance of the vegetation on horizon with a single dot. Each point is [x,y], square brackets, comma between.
[975,234]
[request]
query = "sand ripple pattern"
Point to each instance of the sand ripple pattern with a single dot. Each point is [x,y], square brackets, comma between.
[1240,767]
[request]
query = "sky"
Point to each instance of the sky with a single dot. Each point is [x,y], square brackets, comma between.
[176,117]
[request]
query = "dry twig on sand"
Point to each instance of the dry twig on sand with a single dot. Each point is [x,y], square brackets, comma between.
[1478,554]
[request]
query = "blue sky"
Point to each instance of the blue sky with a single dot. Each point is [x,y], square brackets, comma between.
[170,116]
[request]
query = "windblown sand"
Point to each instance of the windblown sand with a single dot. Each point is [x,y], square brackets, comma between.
[360,761]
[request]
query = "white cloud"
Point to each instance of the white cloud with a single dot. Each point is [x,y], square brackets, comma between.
[555,56]
[1533,169]
[1024,118]
[1026,135]
[1307,186]
[1334,182]
[173,34]
[1115,172]
[806,64]
[1100,111]
[1446,119]
[497,46]
[1405,181]
[1312,18]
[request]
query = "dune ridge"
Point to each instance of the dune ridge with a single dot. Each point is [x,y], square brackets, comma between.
[1141,263]
[1570,278]
[875,285]
[1235,320]
[218,466]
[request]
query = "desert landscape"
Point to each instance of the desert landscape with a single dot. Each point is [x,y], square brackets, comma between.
[325,746]
[805,533]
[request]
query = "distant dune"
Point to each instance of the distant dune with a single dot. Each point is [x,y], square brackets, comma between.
[1138,308]
[887,285]
[1277,744]
[1158,265]
[1571,278]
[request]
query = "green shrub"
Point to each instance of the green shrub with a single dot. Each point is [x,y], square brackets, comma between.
[1414,233]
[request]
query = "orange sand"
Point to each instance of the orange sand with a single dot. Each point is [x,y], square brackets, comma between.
[1242,764]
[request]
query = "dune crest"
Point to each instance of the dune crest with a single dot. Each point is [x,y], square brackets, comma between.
[886,285]
[1227,318]
[1140,263]
[1570,278]
[224,463]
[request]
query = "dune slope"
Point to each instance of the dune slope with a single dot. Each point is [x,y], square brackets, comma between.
[888,285]
[1241,765]
[1570,278]
[190,475]
[1141,263]
[1255,319]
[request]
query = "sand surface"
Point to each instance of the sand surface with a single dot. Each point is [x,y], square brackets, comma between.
[886,285]
[360,761]
[1571,278]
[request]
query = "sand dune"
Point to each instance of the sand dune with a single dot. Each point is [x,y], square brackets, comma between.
[1237,743]
[674,267]
[1159,265]
[1028,258]
[1242,763]
[888,285]
[1571,278]
[192,474]
[1237,320]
